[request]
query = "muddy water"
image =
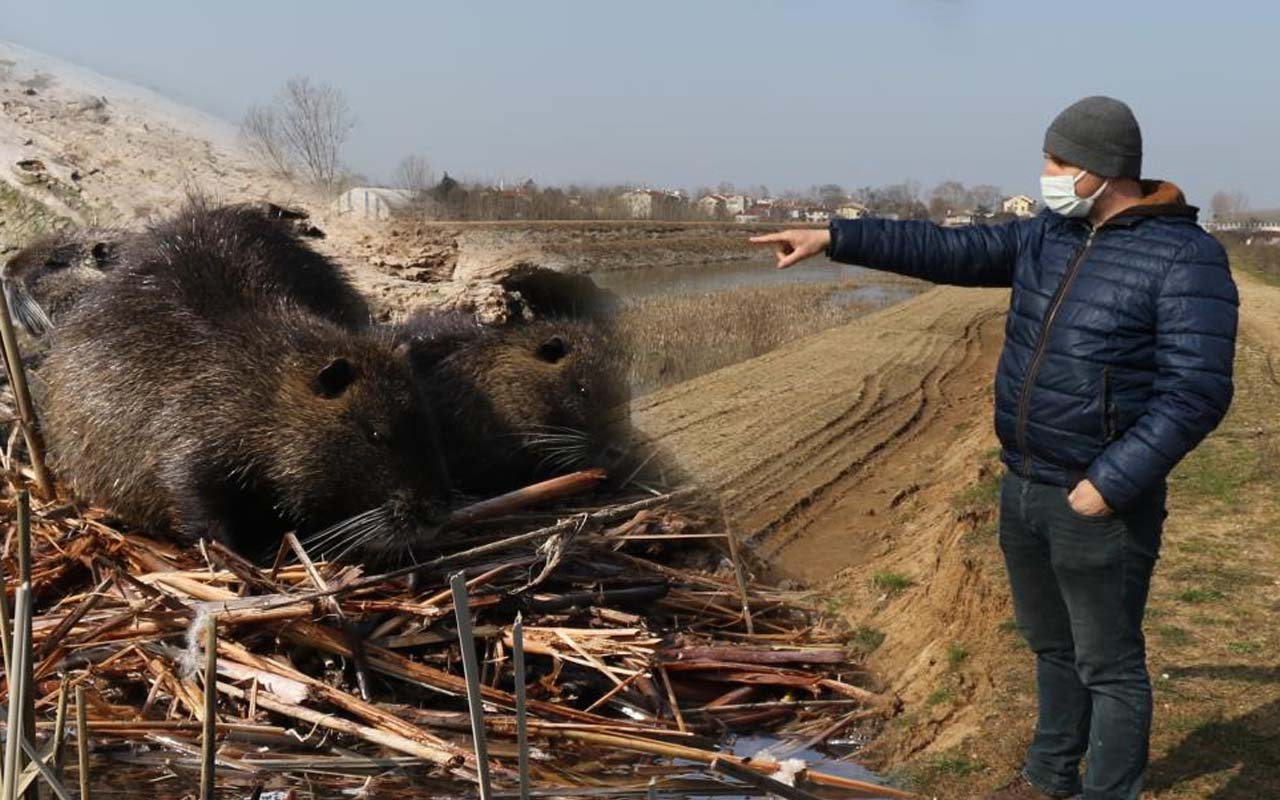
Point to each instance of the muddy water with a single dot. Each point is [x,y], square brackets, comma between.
[877,289]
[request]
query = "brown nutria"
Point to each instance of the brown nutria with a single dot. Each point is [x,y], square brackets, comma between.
[45,278]
[227,411]
[271,264]
[48,276]
[521,402]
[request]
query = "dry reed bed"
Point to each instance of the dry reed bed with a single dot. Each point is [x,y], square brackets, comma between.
[673,338]
[635,667]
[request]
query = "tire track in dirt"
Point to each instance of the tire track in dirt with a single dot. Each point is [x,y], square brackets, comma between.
[810,444]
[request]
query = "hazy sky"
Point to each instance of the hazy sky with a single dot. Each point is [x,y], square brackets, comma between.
[693,93]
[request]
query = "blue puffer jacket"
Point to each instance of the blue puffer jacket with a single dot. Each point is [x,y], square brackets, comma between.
[1118,343]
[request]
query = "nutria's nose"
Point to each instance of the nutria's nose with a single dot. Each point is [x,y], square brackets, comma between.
[613,454]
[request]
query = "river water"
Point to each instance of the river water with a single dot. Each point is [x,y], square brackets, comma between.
[874,289]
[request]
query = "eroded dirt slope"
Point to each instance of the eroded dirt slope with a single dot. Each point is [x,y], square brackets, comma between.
[834,434]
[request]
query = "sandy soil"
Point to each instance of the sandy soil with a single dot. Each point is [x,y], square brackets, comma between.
[835,432]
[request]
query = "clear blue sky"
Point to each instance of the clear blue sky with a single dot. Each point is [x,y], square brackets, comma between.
[692,93]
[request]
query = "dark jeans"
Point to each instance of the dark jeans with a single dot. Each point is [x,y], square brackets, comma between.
[1079,589]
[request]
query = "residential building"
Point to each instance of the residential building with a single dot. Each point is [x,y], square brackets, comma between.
[737,203]
[1019,205]
[712,205]
[851,210]
[651,203]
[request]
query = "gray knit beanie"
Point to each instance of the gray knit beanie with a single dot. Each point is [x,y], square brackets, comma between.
[1100,134]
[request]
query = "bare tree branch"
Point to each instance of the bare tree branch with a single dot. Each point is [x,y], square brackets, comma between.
[302,131]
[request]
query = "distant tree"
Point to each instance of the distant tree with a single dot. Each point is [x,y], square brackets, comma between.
[414,173]
[261,134]
[445,187]
[1226,204]
[902,199]
[301,131]
[986,195]
[831,194]
[949,197]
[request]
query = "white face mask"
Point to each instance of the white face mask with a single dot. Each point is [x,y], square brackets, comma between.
[1059,193]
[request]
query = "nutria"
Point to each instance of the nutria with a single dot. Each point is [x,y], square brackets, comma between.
[521,402]
[226,411]
[270,264]
[45,278]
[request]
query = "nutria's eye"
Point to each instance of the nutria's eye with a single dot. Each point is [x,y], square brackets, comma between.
[582,388]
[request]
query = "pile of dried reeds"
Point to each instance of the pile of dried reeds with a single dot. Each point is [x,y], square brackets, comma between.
[562,650]
[592,663]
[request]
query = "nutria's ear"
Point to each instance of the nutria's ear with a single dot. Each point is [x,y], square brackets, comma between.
[552,350]
[336,377]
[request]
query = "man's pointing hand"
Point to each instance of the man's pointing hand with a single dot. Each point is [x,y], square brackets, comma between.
[795,245]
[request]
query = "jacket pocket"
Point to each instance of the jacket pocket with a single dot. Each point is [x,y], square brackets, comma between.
[1106,407]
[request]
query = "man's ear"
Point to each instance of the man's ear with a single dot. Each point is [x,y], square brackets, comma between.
[334,379]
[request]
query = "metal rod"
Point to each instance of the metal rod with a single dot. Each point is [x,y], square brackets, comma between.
[22,400]
[17,693]
[82,743]
[522,719]
[210,710]
[45,772]
[28,696]
[6,629]
[471,670]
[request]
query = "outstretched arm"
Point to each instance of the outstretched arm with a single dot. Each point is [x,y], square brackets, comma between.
[973,255]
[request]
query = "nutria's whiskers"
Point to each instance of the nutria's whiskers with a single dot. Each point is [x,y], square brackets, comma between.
[355,541]
[342,535]
[564,457]
[637,470]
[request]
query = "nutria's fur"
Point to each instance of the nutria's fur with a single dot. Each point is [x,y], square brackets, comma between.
[45,278]
[522,402]
[234,411]
[257,260]
[273,264]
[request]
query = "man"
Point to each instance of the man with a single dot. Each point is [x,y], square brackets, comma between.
[1117,362]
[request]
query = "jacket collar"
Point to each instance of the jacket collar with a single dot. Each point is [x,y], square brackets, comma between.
[1159,199]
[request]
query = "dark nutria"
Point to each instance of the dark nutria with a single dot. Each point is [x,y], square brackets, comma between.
[45,278]
[228,412]
[521,402]
[271,264]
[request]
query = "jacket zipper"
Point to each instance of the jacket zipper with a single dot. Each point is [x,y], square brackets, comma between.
[1042,343]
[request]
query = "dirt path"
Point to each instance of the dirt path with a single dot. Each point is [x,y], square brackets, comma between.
[816,444]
